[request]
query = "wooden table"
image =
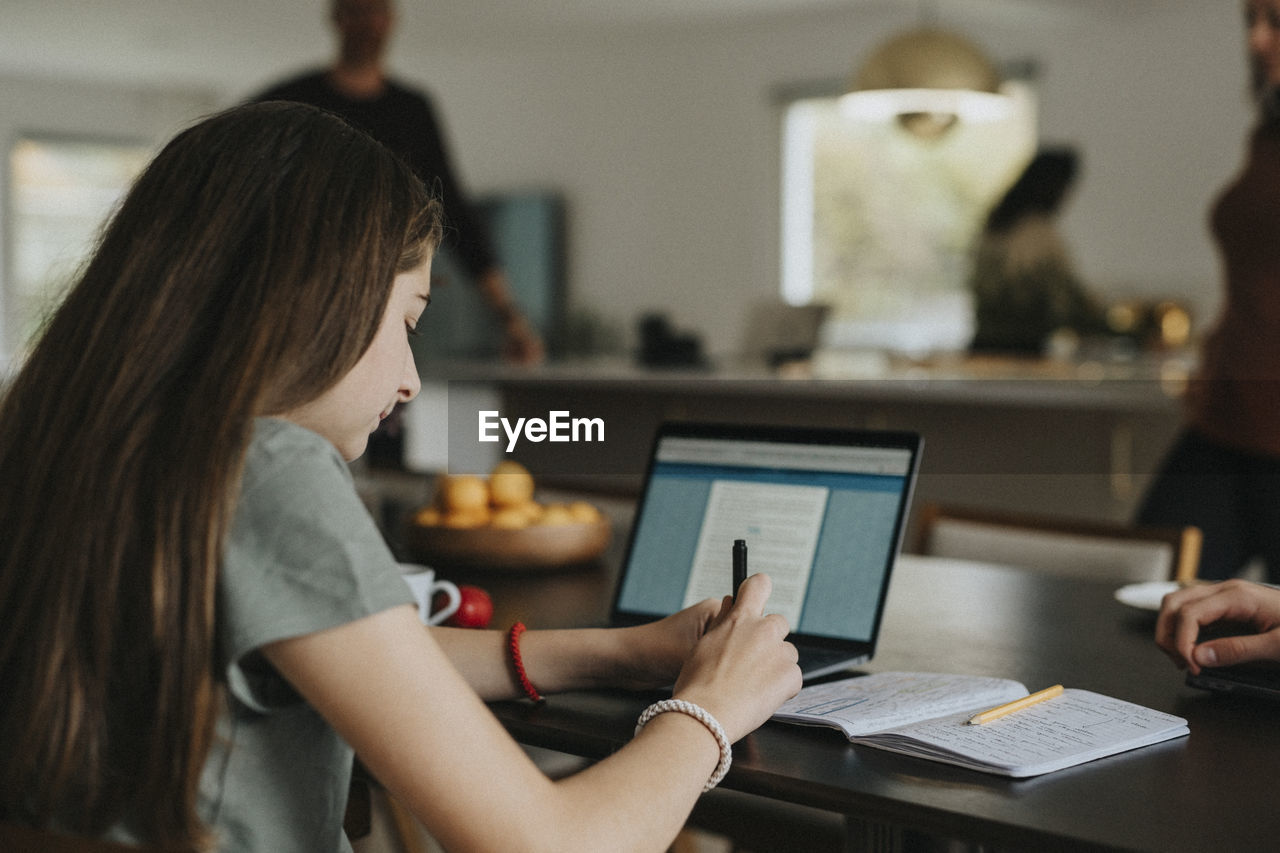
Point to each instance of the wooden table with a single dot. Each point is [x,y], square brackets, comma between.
[1215,790]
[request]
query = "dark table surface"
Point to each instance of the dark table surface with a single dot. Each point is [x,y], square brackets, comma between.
[1214,790]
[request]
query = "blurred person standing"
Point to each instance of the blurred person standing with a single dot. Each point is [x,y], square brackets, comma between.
[1223,472]
[358,88]
[1024,285]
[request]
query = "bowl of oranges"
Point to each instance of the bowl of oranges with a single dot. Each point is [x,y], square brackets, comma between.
[497,522]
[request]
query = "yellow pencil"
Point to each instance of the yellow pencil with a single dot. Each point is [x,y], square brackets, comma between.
[1016,705]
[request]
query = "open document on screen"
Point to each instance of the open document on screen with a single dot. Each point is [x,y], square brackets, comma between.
[782,523]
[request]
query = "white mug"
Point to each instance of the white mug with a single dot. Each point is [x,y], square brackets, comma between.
[422,580]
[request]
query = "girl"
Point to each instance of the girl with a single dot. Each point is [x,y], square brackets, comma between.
[199,619]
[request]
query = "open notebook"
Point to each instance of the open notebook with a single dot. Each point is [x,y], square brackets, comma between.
[927,715]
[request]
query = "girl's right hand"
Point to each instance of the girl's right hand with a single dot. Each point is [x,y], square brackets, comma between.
[743,668]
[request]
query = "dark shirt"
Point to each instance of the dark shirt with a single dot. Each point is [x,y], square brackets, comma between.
[403,120]
[1235,399]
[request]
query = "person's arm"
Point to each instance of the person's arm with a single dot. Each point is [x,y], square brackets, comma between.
[1185,612]
[644,656]
[388,687]
[521,341]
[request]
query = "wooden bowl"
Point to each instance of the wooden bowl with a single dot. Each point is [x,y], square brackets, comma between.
[539,546]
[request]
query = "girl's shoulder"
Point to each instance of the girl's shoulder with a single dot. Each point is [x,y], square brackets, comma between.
[280,446]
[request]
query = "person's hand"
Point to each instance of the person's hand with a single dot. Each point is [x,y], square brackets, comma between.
[655,651]
[1184,612]
[521,343]
[743,668]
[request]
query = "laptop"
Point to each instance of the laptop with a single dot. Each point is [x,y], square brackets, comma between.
[822,511]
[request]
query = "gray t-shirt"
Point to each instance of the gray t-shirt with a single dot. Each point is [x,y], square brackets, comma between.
[303,555]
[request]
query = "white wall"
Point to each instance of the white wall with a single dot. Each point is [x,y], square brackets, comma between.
[60,108]
[666,142]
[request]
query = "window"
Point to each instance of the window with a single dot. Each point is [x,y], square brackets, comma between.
[878,223]
[60,192]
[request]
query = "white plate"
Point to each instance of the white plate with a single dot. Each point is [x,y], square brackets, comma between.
[1145,596]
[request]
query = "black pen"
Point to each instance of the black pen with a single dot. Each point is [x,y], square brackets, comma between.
[739,564]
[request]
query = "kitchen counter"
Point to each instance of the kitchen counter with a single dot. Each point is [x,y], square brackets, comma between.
[1152,384]
[1073,438]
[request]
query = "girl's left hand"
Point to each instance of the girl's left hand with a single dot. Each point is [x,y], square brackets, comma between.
[654,653]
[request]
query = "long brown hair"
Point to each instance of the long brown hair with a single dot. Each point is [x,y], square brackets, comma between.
[245,273]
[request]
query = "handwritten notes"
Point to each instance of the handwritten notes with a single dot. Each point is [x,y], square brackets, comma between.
[1076,727]
[871,703]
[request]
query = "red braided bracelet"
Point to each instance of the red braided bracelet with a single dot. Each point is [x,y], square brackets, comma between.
[513,645]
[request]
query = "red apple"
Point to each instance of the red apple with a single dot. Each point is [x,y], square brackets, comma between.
[474,610]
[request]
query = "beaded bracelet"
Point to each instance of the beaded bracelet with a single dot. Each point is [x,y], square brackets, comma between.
[513,646]
[701,715]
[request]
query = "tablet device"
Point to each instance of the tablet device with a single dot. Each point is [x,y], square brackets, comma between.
[1260,679]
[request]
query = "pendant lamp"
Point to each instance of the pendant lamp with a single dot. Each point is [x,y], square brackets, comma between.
[928,79]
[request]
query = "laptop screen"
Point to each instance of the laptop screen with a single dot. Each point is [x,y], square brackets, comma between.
[822,512]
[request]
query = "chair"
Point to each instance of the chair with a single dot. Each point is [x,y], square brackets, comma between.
[1083,549]
[749,822]
[15,838]
[357,823]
